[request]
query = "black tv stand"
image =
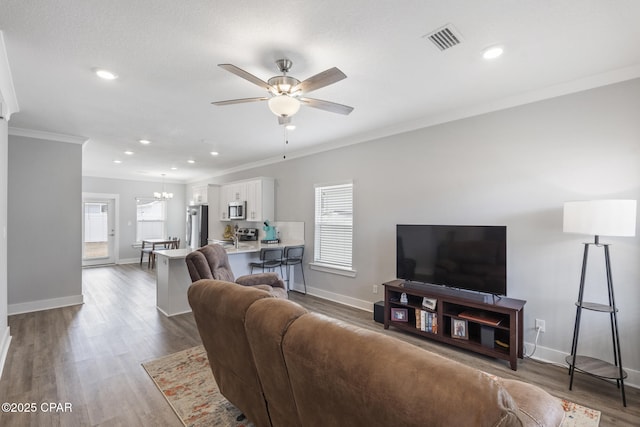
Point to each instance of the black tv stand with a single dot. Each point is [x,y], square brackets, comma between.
[493,327]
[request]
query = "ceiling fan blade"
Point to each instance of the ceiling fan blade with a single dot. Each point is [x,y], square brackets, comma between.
[325,78]
[239,101]
[327,106]
[246,75]
[284,120]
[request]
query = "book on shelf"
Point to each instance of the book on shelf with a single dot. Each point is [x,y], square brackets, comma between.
[434,326]
[428,321]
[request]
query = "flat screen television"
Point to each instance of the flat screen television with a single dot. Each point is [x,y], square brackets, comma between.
[458,256]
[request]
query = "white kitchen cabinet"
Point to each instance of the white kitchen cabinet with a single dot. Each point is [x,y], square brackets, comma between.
[238,192]
[199,195]
[260,200]
[225,198]
[259,193]
[232,192]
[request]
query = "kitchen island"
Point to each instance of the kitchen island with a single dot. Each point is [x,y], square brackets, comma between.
[173,280]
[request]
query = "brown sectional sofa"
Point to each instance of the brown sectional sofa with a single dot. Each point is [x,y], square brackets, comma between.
[284,366]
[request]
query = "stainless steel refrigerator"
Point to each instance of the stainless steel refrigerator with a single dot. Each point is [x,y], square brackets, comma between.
[197,226]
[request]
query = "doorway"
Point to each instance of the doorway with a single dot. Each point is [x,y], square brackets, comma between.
[99,229]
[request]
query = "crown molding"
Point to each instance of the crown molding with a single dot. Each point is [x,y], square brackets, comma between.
[49,136]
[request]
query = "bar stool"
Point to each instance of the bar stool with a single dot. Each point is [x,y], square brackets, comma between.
[270,258]
[293,256]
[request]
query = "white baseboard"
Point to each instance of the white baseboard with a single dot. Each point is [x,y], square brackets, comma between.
[4,347]
[129,261]
[46,304]
[555,357]
[342,299]
[174,314]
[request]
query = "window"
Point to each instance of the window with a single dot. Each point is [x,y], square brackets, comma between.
[334,229]
[150,219]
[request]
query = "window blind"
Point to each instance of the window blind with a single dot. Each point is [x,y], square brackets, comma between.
[150,219]
[334,225]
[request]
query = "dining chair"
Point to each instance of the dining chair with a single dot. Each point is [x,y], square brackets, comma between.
[149,252]
[172,243]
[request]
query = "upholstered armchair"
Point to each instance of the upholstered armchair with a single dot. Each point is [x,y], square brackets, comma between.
[212,262]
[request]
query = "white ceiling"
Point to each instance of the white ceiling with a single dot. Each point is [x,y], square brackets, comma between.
[166,55]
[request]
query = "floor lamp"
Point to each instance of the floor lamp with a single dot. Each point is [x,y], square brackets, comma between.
[599,218]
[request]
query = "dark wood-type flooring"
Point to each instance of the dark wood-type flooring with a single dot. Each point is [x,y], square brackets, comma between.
[90,357]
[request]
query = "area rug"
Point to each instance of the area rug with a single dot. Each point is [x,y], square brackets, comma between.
[186,381]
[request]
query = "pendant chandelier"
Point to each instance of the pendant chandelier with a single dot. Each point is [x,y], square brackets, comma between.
[163,195]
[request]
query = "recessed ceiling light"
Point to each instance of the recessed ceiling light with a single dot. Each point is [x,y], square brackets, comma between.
[144,142]
[128,153]
[117,162]
[493,52]
[106,74]
[214,153]
[191,161]
[173,168]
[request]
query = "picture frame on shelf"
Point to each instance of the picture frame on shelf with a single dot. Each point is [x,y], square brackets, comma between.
[429,303]
[459,329]
[399,314]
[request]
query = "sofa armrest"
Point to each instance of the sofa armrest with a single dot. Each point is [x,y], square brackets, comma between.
[271,279]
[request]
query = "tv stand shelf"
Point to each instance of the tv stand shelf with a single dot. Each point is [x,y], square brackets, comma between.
[494,325]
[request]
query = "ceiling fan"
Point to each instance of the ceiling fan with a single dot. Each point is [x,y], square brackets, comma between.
[286,93]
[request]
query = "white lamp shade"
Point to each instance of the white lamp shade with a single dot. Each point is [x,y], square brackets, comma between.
[284,105]
[600,217]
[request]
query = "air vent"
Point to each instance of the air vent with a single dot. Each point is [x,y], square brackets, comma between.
[445,37]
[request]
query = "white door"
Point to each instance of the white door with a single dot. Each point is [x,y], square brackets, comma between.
[98,231]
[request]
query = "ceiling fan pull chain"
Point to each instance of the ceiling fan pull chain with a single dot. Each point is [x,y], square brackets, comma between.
[286,143]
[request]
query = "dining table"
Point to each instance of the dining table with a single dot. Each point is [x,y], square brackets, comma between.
[164,243]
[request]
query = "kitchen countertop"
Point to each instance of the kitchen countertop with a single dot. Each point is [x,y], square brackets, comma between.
[244,248]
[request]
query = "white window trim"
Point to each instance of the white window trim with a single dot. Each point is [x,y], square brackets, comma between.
[165,227]
[326,268]
[332,268]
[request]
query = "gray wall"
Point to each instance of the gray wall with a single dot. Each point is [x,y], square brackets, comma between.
[128,191]
[514,167]
[44,217]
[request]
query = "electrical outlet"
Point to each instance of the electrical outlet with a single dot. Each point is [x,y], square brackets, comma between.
[375,289]
[540,324]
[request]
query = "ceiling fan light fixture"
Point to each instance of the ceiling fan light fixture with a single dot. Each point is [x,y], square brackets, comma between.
[284,105]
[284,88]
[281,85]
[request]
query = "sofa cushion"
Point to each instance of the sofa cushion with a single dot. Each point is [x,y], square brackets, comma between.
[219,309]
[266,323]
[344,375]
[536,406]
[209,262]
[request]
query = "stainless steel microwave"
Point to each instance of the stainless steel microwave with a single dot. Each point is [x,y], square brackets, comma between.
[237,210]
